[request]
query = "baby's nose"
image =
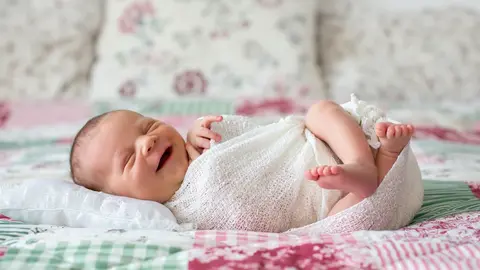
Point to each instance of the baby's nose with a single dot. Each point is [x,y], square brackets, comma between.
[150,144]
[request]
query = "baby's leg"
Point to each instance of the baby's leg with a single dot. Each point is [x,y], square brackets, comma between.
[333,125]
[393,138]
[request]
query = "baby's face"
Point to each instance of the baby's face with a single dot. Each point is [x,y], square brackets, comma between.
[136,156]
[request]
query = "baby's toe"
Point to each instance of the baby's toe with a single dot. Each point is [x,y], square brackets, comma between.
[381,129]
[327,171]
[320,170]
[390,132]
[410,129]
[398,131]
[406,131]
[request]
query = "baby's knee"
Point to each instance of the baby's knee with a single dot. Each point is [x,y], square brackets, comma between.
[324,107]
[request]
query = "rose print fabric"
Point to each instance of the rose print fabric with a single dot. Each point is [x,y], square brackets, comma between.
[207,48]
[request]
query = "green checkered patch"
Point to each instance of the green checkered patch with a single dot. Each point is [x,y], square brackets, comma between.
[94,255]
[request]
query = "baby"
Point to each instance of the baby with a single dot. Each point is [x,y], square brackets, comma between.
[127,154]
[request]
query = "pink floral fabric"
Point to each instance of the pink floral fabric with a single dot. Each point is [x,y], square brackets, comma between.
[475,187]
[30,114]
[447,134]
[447,243]
[189,48]
[276,106]
[4,113]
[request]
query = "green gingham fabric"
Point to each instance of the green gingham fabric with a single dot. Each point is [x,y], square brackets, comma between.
[81,254]
[94,255]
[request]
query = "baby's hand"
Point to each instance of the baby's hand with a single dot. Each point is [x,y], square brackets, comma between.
[201,134]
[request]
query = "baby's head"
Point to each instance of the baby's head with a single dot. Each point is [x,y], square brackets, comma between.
[126,154]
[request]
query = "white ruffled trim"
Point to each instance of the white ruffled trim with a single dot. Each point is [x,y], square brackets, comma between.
[367,116]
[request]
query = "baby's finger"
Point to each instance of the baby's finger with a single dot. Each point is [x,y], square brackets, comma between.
[191,151]
[202,142]
[208,120]
[208,133]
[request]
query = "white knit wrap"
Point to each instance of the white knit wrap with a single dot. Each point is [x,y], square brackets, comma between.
[254,180]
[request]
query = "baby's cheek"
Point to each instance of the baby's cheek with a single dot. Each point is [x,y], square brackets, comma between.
[140,170]
[137,177]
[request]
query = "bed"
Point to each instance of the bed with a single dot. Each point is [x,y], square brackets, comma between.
[445,234]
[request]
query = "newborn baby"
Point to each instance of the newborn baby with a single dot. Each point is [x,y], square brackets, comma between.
[127,154]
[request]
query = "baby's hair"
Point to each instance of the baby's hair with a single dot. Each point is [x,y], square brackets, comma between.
[75,162]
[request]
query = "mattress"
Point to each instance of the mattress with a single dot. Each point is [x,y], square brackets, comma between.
[35,139]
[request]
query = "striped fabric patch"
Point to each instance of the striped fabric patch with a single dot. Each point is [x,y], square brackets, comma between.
[10,229]
[444,199]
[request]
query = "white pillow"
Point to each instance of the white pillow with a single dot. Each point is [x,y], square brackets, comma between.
[62,203]
[220,49]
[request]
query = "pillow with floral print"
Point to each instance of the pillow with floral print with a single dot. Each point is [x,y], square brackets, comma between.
[207,48]
[47,47]
[411,50]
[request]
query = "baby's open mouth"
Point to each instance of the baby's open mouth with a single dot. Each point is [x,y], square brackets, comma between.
[164,158]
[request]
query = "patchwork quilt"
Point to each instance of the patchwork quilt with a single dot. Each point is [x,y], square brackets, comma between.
[445,234]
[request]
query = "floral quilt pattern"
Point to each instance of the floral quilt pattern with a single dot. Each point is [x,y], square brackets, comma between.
[448,152]
[446,243]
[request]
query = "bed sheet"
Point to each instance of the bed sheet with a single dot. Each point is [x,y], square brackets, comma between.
[34,142]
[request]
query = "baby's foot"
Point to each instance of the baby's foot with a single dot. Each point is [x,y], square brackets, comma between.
[360,179]
[393,138]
